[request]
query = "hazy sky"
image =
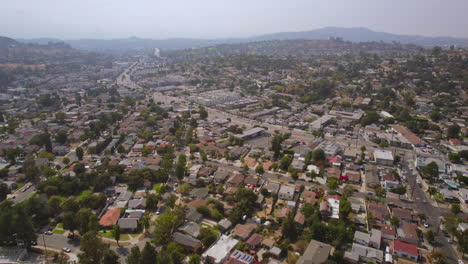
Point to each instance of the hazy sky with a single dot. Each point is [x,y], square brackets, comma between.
[72,19]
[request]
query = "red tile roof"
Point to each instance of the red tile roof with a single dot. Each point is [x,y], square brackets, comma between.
[110,218]
[405,247]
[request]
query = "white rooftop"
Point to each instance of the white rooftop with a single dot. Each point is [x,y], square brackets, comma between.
[220,249]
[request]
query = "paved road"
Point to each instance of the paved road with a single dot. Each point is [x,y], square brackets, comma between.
[21,195]
[59,241]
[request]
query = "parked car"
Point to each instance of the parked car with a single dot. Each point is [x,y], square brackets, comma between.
[426,224]
[67,250]
[48,232]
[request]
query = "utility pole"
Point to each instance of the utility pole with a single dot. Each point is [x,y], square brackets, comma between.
[45,247]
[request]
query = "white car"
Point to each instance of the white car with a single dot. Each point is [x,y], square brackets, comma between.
[67,250]
[426,224]
[460,261]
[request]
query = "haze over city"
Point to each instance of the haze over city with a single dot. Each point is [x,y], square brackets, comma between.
[107,19]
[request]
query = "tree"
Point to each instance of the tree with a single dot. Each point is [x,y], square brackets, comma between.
[208,236]
[79,153]
[116,233]
[456,209]
[259,169]
[318,155]
[437,257]
[195,259]
[345,208]
[431,171]
[54,204]
[148,254]
[276,146]
[285,162]
[203,113]
[435,116]
[94,250]
[151,201]
[134,256]
[395,221]
[203,155]
[165,225]
[333,184]
[61,137]
[401,190]
[453,131]
[4,191]
[69,221]
[429,236]
[290,230]
[369,118]
[454,157]
[185,189]
[82,220]
[170,202]
[462,238]
[348,191]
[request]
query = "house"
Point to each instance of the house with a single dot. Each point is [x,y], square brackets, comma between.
[308,197]
[225,224]
[420,162]
[405,250]
[254,241]
[463,193]
[299,218]
[235,180]
[353,177]
[190,228]
[243,231]
[388,231]
[407,134]
[128,224]
[407,233]
[286,192]
[272,187]
[362,254]
[373,239]
[137,203]
[315,253]
[378,212]
[275,252]
[404,215]
[138,147]
[60,150]
[334,172]
[239,257]
[330,207]
[199,193]
[221,175]
[110,218]
[193,215]
[188,242]
[220,250]
[383,157]
[390,181]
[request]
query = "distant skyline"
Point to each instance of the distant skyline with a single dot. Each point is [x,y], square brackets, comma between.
[107,19]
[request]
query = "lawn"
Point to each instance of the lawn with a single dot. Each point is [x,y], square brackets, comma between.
[59,231]
[107,234]
[123,237]
[59,225]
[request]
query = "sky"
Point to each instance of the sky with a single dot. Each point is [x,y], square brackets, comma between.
[107,19]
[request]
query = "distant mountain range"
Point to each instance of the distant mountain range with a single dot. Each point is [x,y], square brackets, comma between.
[348,34]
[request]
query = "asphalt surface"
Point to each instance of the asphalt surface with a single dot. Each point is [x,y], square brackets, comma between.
[21,195]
